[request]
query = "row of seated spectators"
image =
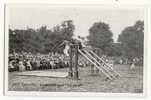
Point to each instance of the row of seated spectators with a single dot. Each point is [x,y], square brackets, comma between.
[28,61]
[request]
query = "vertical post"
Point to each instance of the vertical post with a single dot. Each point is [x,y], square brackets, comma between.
[97,52]
[70,74]
[76,74]
[92,69]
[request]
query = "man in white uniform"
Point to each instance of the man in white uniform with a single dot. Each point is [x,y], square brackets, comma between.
[67,47]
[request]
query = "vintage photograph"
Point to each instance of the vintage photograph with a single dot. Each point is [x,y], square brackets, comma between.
[74,49]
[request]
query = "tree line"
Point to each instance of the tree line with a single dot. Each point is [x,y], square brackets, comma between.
[44,40]
[130,40]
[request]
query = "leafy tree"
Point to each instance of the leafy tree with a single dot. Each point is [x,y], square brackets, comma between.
[67,29]
[100,36]
[115,49]
[16,40]
[41,40]
[132,40]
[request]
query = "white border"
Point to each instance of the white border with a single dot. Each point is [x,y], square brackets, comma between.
[86,94]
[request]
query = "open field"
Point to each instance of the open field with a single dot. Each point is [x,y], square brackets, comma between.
[131,81]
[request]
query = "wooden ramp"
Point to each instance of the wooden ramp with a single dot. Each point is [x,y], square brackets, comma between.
[99,63]
[44,74]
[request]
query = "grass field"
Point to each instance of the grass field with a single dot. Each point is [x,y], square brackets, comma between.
[131,81]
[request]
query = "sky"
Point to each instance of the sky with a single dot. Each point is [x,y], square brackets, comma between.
[21,17]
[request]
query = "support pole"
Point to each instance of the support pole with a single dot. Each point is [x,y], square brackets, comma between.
[70,74]
[92,69]
[76,74]
[97,52]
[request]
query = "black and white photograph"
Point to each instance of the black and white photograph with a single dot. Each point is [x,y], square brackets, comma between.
[74,49]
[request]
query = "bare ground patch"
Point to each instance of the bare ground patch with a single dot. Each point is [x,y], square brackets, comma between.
[131,81]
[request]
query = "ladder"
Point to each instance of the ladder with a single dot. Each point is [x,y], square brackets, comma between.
[99,63]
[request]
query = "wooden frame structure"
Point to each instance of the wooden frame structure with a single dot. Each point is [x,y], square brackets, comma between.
[73,67]
[92,57]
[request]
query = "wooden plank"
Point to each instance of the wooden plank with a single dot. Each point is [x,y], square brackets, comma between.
[95,64]
[108,72]
[105,63]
